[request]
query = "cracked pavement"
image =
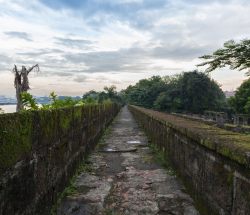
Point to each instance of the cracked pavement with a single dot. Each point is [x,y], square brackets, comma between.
[126,179]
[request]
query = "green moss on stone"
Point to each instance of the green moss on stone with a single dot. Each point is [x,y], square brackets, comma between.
[15,138]
[78,112]
[66,118]
[229,144]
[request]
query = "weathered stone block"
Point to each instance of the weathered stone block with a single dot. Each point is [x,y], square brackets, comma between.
[212,162]
[40,150]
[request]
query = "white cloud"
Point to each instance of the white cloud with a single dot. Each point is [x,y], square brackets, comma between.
[120,44]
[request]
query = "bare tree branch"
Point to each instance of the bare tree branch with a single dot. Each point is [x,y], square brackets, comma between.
[21,82]
[33,67]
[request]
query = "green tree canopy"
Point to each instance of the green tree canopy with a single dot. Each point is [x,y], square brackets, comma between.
[108,94]
[111,94]
[90,94]
[198,92]
[189,92]
[241,101]
[145,91]
[236,55]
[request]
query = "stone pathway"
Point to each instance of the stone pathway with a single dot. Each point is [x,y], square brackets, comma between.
[126,179]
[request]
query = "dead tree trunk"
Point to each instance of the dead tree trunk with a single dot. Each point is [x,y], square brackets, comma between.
[22,83]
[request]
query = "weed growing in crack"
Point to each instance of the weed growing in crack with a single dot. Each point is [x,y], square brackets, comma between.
[161,158]
[71,188]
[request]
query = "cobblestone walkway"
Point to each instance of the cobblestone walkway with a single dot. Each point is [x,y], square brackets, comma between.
[124,178]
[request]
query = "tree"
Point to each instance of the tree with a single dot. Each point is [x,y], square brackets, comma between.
[90,94]
[110,91]
[145,92]
[192,92]
[169,100]
[166,102]
[110,94]
[241,101]
[235,55]
[21,83]
[198,92]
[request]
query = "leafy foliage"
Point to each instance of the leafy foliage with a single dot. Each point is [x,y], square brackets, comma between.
[109,94]
[145,92]
[58,103]
[189,92]
[198,92]
[91,94]
[28,101]
[169,99]
[241,101]
[235,55]
[92,97]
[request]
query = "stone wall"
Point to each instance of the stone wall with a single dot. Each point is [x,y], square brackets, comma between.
[213,163]
[40,150]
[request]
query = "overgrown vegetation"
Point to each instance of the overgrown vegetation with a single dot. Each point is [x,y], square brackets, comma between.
[101,143]
[241,101]
[109,95]
[30,103]
[15,138]
[161,158]
[192,92]
[71,188]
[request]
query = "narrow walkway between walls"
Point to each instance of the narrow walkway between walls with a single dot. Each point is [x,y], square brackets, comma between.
[124,177]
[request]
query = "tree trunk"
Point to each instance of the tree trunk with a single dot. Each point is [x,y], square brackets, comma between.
[22,83]
[19,105]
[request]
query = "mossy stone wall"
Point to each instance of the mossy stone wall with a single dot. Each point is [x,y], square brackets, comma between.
[213,163]
[40,150]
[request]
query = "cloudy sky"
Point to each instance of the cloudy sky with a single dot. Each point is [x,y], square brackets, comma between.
[87,44]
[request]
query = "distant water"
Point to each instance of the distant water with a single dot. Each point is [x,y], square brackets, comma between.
[8,108]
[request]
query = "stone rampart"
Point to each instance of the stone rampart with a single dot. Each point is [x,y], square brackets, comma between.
[40,150]
[212,162]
